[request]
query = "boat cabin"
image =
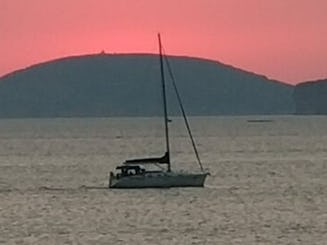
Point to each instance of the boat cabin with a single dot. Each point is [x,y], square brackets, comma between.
[128,170]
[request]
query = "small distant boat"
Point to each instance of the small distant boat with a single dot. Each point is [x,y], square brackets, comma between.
[260,120]
[150,172]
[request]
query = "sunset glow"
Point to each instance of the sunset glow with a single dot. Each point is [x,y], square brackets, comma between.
[282,39]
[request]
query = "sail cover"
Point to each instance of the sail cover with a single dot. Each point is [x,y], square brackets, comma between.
[164,160]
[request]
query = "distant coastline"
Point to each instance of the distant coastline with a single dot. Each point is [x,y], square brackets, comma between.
[120,85]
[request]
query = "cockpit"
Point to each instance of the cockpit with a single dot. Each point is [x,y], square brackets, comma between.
[128,170]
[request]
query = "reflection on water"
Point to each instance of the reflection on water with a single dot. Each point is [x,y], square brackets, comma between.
[267,182]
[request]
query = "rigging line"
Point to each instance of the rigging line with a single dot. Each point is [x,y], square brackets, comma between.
[182,110]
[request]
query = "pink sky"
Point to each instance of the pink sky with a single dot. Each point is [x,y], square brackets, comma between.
[282,39]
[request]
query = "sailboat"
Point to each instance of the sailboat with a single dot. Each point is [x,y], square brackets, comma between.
[137,173]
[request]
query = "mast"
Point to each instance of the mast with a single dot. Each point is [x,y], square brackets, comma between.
[164,103]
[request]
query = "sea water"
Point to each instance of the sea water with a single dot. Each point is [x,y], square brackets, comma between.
[267,185]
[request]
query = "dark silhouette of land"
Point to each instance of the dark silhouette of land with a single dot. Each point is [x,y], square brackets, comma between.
[129,85]
[311,97]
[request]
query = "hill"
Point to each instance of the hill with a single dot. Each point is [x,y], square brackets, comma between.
[311,97]
[129,85]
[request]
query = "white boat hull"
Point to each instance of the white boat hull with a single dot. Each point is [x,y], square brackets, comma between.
[158,180]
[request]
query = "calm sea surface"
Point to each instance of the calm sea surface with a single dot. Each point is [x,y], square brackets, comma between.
[268,182]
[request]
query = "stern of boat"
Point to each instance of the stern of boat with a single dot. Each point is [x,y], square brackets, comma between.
[112,178]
